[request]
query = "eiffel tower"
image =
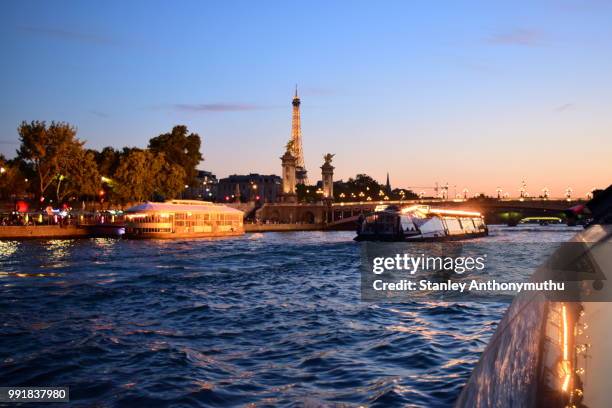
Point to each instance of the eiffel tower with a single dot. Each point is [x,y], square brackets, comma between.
[296,137]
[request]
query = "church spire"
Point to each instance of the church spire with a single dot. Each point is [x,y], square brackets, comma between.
[388,185]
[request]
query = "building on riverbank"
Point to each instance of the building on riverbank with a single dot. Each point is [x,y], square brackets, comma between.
[249,187]
[203,188]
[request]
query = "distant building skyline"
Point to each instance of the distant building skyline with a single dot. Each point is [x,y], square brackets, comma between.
[480,95]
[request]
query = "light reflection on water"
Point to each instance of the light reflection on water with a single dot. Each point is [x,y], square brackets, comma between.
[58,251]
[8,248]
[265,318]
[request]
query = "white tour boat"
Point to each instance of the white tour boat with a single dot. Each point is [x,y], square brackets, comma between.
[420,223]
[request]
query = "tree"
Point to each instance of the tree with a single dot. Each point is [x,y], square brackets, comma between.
[79,177]
[45,151]
[362,182]
[181,149]
[363,186]
[169,181]
[133,181]
[141,174]
[12,180]
[403,194]
[107,160]
[357,189]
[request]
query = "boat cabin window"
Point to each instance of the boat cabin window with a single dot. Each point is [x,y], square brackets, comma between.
[406,223]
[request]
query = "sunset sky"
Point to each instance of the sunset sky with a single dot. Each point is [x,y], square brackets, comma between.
[476,94]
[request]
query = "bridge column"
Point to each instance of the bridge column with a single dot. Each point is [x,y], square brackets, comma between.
[327,175]
[289,162]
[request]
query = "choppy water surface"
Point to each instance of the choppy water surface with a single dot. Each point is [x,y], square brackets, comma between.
[262,320]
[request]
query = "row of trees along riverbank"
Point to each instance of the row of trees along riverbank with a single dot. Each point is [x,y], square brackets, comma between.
[53,165]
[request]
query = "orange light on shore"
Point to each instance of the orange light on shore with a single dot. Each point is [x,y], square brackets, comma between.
[565,330]
[565,363]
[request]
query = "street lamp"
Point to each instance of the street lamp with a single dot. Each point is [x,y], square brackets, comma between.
[523,188]
[465,193]
[499,192]
[568,193]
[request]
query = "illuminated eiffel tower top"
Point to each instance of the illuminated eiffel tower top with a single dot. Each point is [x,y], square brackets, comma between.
[296,137]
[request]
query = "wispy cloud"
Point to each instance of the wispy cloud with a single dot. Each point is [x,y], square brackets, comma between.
[68,35]
[99,114]
[217,107]
[583,5]
[517,36]
[564,107]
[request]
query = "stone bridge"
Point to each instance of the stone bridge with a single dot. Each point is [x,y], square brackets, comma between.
[343,215]
[495,211]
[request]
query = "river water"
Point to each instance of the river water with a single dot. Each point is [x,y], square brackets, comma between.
[270,319]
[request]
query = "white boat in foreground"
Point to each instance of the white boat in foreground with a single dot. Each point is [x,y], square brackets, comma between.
[553,350]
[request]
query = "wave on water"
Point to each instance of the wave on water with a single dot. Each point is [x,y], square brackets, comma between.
[266,319]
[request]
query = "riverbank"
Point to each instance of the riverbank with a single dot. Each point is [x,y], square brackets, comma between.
[73,231]
[282,227]
[42,231]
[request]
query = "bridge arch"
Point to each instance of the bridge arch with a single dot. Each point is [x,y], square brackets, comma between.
[308,217]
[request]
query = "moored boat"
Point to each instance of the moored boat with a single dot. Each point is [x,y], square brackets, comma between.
[420,223]
[183,219]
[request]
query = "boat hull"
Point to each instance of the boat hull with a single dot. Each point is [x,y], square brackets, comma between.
[184,235]
[387,238]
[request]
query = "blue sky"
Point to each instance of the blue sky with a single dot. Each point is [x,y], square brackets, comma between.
[477,94]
